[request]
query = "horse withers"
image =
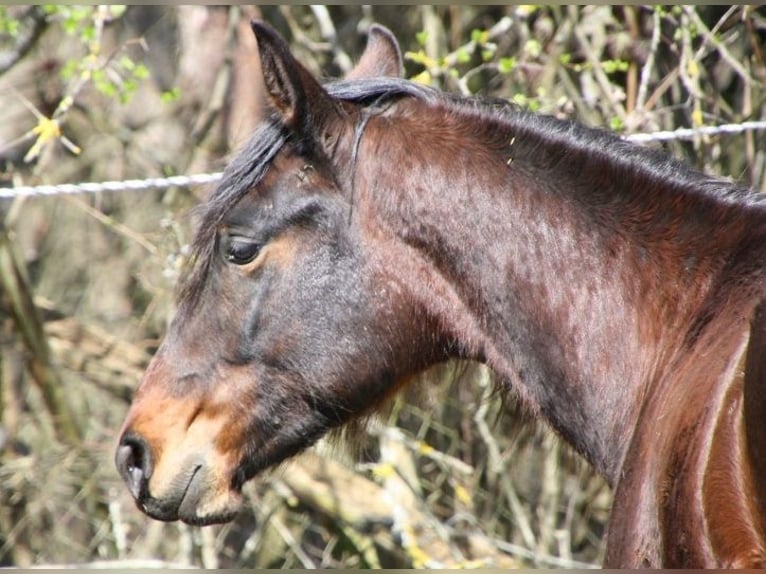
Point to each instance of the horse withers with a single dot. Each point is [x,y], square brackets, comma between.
[373,227]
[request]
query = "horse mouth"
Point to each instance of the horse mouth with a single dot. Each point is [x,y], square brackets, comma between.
[193,505]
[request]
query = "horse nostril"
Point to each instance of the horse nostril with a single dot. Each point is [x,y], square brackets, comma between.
[134,462]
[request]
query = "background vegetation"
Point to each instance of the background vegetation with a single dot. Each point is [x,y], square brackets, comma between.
[112,93]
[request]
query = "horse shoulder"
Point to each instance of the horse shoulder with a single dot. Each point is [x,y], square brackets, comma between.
[754,407]
[698,456]
[733,492]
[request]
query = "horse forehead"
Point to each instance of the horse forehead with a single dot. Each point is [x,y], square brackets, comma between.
[261,197]
[283,173]
[289,172]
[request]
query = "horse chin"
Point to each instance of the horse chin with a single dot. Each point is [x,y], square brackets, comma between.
[199,507]
[218,513]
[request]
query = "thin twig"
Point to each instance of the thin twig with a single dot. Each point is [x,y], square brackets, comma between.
[646,71]
[516,550]
[288,537]
[710,37]
[16,284]
[114,225]
[607,89]
[328,33]
[222,85]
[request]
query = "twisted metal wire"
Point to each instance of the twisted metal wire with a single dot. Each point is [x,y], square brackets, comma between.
[689,133]
[115,186]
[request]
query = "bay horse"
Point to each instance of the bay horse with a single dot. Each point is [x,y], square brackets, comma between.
[373,227]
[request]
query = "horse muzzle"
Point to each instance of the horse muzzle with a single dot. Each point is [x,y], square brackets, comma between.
[178,452]
[192,492]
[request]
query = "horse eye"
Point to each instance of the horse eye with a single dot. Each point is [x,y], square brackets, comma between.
[239,250]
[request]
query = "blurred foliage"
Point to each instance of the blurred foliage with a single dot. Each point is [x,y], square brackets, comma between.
[114,75]
[449,475]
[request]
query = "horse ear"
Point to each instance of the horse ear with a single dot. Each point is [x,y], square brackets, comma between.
[381,57]
[296,95]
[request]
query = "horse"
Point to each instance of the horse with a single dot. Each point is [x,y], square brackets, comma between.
[373,227]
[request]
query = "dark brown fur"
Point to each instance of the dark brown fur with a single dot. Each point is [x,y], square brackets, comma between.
[616,292]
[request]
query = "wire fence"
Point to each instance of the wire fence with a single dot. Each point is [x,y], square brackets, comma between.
[208,178]
[691,133]
[116,186]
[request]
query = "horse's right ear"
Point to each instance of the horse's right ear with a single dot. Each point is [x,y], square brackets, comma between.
[381,57]
[303,103]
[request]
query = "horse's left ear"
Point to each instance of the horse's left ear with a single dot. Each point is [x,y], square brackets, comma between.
[299,98]
[381,57]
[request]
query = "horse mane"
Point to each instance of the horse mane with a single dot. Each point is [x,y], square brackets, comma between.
[563,149]
[579,149]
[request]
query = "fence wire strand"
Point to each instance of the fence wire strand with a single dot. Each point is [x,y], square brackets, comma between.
[98,187]
[689,133]
[208,178]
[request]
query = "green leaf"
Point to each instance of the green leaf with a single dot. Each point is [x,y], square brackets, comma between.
[141,72]
[533,48]
[9,26]
[423,77]
[69,69]
[105,87]
[506,65]
[463,56]
[126,63]
[479,36]
[129,86]
[420,57]
[612,66]
[170,96]
[88,33]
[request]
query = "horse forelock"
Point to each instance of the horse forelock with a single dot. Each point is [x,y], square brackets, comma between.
[242,174]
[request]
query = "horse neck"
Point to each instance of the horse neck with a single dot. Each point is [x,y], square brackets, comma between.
[572,299]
